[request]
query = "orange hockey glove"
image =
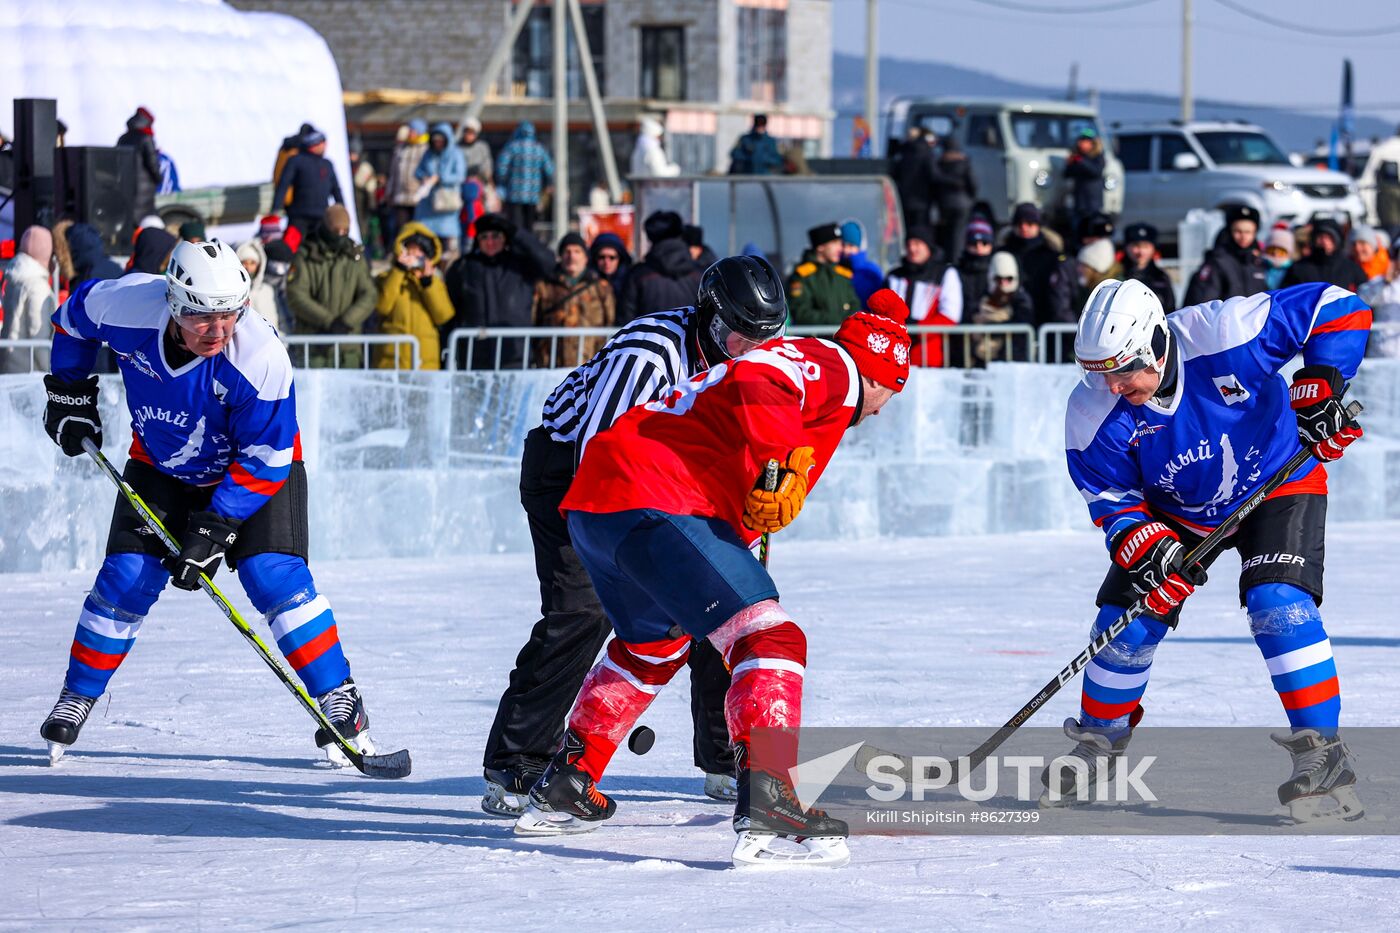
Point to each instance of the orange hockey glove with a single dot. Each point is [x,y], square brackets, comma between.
[770,511]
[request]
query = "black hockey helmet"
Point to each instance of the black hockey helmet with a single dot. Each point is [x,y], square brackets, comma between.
[741,297]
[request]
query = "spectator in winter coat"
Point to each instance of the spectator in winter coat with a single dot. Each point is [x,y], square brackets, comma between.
[609,258]
[573,295]
[1233,266]
[1368,253]
[494,286]
[27,301]
[524,171]
[954,190]
[1279,253]
[1004,302]
[401,186]
[667,277]
[1084,170]
[915,172]
[442,171]
[90,260]
[972,268]
[866,276]
[1036,256]
[291,145]
[1326,261]
[329,289]
[756,153]
[820,290]
[1383,296]
[923,280]
[263,296]
[1067,282]
[279,265]
[140,135]
[150,252]
[310,178]
[413,300]
[364,181]
[649,158]
[477,151]
[699,250]
[1140,263]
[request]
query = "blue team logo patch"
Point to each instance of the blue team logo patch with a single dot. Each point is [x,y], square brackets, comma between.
[1144,429]
[137,360]
[1230,389]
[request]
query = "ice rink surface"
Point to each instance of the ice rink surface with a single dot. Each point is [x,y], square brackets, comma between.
[193,800]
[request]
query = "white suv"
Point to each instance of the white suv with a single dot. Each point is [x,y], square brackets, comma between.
[1174,167]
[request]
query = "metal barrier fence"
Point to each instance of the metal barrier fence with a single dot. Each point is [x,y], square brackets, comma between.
[495,348]
[19,355]
[299,347]
[1056,343]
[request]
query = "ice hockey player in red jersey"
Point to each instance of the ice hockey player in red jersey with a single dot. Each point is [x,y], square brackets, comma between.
[663,511]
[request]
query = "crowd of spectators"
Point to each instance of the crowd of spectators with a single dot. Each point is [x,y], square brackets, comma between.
[451,229]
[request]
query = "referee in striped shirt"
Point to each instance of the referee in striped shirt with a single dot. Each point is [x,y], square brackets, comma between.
[741,303]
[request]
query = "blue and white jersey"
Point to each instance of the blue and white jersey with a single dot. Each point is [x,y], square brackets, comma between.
[228,420]
[1228,427]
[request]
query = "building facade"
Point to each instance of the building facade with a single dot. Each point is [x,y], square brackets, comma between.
[704,67]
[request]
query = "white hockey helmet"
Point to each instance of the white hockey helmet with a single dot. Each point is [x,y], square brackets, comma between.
[206,278]
[1122,329]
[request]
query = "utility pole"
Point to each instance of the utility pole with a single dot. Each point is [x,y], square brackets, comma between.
[872,72]
[1187,105]
[559,27]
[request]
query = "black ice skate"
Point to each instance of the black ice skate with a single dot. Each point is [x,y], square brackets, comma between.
[345,709]
[565,799]
[65,722]
[721,787]
[767,809]
[1323,785]
[508,789]
[1074,779]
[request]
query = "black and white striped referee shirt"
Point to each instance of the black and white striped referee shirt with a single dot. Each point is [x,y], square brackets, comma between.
[639,364]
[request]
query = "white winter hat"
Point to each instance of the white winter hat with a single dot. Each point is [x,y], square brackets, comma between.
[1364,234]
[651,127]
[1003,266]
[1098,256]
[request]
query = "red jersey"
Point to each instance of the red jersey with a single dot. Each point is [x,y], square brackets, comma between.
[701,449]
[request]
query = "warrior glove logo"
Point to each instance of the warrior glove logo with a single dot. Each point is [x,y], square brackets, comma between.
[1230,389]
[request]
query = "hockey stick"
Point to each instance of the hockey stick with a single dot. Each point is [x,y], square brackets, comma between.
[770,483]
[1205,549]
[395,765]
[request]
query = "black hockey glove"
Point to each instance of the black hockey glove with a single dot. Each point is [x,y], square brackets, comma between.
[71,413]
[1152,554]
[1323,425]
[208,536]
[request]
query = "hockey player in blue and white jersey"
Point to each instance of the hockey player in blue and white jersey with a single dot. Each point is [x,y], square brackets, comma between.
[1176,422]
[215,452]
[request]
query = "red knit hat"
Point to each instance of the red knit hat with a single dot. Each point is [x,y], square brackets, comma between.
[878,341]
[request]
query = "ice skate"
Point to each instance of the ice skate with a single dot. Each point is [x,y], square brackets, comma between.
[1322,787]
[345,709]
[774,829]
[564,800]
[65,722]
[721,787]
[1095,758]
[508,791]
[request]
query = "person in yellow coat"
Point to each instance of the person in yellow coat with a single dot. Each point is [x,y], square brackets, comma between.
[413,299]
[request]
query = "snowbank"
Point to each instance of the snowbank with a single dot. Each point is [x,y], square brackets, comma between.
[427,464]
[225,86]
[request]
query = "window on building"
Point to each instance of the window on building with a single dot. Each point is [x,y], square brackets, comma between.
[663,62]
[533,60]
[762,55]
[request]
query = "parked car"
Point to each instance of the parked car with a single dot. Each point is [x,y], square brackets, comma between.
[1174,167]
[1018,148]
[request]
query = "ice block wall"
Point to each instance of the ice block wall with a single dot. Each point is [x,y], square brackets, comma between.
[427,464]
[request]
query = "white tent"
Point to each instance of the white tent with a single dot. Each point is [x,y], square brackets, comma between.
[225,86]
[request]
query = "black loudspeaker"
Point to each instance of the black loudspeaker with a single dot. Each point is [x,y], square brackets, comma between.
[97,185]
[36,129]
